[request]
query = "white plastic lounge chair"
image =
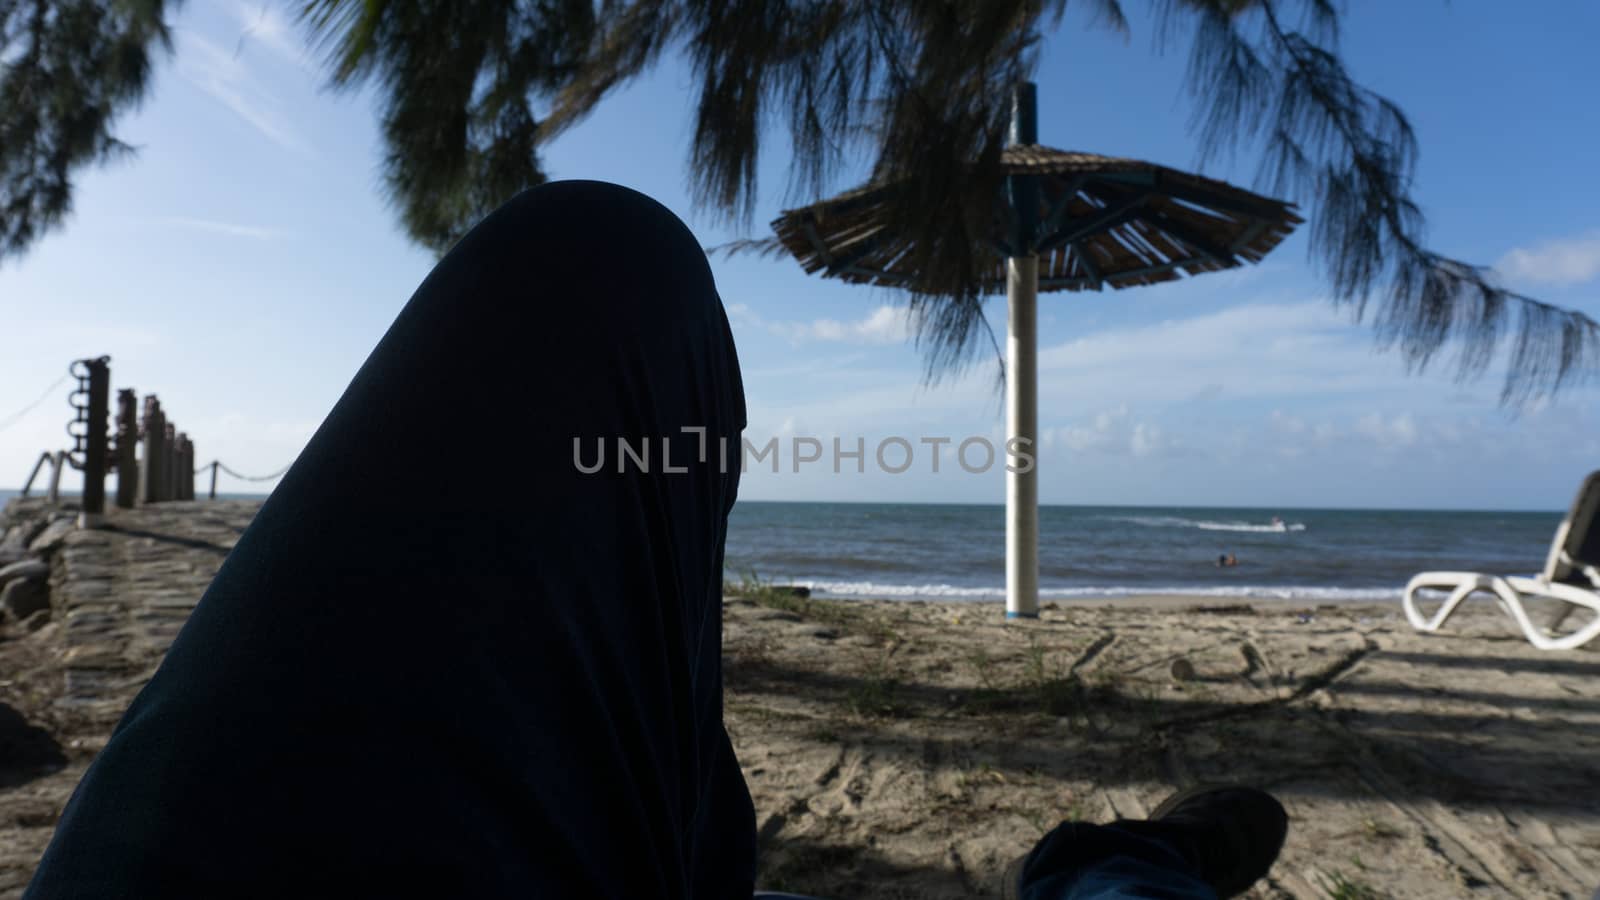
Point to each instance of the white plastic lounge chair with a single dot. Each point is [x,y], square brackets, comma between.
[1571,575]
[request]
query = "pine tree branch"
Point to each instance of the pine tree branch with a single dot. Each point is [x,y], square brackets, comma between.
[1352,152]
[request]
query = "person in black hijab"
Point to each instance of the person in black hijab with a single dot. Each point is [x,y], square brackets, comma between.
[444,660]
[471,645]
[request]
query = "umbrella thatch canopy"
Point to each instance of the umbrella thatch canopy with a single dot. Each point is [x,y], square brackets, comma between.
[1102,221]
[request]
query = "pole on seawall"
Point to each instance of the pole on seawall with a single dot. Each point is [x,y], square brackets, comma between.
[169,462]
[154,431]
[127,444]
[185,473]
[96,455]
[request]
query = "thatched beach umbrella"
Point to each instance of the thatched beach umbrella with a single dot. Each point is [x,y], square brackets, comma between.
[1064,222]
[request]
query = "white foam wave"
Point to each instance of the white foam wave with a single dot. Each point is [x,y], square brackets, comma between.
[1247,526]
[877,590]
[1208,525]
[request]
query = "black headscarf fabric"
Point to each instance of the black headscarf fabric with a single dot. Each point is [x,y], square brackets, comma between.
[445,660]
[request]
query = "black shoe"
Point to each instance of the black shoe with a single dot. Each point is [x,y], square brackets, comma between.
[1230,834]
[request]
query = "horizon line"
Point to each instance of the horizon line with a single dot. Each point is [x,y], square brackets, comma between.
[1001,505]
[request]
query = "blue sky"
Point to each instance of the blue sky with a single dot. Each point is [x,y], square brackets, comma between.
[244,264]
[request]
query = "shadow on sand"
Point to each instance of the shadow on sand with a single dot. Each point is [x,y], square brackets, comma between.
[1349,739]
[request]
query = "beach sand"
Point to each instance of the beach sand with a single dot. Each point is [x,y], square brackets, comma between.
[909,750]
[902,749]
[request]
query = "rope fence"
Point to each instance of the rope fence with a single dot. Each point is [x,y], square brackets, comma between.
[276,474]
[217,465]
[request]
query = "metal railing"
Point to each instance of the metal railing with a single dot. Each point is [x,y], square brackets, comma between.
[58,461]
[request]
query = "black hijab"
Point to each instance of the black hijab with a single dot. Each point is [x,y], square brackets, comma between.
[444,660]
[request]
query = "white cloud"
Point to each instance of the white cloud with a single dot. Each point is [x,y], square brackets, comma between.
[884,325]
[1079,437]
[264,23]
[1146,440]
[1565,261]
[1400,431]
[1105,430]
[1104,419]
[1300,436]
[1404,430]
[1075,438]
[1286,423]
[226,78]
[1257,350]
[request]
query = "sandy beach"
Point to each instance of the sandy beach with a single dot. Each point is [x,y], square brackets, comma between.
[905,749]
[900,750]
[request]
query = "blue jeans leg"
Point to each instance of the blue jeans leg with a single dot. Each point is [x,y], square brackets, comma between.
[1080,861]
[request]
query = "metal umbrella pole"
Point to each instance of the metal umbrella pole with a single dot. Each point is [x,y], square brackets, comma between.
[1022,374]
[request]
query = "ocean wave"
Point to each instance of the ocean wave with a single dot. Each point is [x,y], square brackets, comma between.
[1247,526]
[876,590]
[1208,525]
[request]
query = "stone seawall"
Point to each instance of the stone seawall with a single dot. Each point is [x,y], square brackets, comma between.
[94,614]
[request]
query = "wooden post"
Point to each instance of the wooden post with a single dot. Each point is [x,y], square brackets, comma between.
[214,465]
[169,463]
[184,477]
[150,469]
[96,455]
[127,441]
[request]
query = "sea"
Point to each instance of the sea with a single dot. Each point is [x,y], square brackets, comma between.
[957,552]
